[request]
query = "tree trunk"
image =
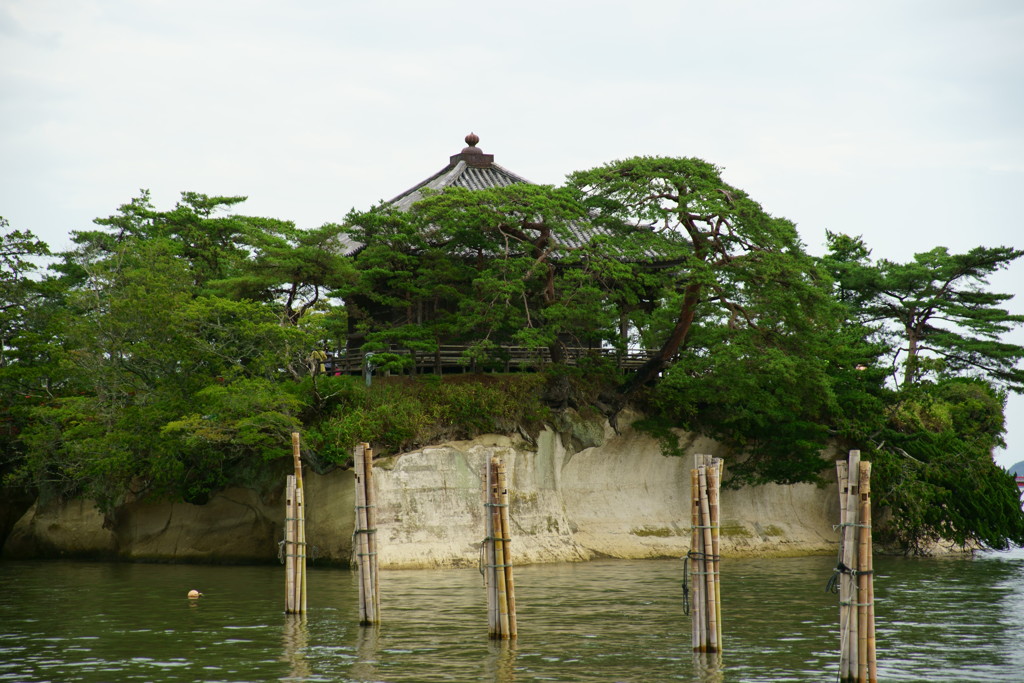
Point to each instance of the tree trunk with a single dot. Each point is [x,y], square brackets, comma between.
[910,371]
[649,370]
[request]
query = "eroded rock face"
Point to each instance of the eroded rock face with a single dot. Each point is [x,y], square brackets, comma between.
[234,526]
[73,529]
[619,497]
[237,525]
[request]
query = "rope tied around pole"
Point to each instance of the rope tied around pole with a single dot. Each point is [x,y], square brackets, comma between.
[832,586]
[694,555]
[314,550]
[698,555]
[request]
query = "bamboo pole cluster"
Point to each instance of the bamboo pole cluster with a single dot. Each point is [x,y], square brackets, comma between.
[366,535]
[703,558]
[496,555]
[854,571]
[295,537]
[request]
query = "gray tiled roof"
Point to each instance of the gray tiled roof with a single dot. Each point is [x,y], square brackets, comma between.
[471,169]
[459,174]
[474,170]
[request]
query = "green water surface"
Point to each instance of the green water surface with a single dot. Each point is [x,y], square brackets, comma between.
[951,619]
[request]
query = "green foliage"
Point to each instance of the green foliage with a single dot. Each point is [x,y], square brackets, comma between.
[17,249]
[770,404]
[934,473]
[932,440]
[299,269]
[249,416]
[24,342]
[934,311]
[397,414]
[163,388]
[170,352]
[721,259]
[211,245]
[497,267]
[743,320]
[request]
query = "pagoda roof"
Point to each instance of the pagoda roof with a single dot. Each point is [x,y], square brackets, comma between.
[474,170]
[470,168]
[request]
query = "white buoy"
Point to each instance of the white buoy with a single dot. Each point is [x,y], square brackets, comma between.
[193,594]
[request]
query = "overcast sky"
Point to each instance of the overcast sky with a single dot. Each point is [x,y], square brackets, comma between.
[898,121]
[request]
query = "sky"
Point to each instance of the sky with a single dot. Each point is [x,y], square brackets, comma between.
[900,121]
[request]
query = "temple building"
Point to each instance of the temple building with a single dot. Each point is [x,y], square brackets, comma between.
[470,168]
[407,310]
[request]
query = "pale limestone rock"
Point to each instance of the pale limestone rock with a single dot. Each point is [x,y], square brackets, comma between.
[234,526]
[73,529]
[618,498]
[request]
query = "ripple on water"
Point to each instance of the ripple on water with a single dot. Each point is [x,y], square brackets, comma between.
[600,621]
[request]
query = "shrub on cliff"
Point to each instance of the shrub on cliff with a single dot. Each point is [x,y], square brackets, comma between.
[400,413]
[934,473]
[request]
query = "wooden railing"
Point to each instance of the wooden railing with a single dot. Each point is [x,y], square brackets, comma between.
[453,358]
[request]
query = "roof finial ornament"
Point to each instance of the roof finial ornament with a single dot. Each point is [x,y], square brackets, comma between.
[473,155]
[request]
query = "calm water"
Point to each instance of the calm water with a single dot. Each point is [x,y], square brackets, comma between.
[938,620]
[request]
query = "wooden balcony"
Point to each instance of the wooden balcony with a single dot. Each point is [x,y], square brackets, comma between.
[455,358]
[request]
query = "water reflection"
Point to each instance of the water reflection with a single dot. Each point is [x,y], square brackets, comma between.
[938,619]
[500,662]
[367,646]
[707,667]
[296,640]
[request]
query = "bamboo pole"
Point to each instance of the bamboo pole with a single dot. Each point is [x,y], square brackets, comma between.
[870,598]
[300,525]
[709,577]
[289,545]
[707,543]
[488,552]
[855,588]
[714,485]
[855,573]
[705,549]
[696,541]
[496,554]
[366,614]
[842,475]
[864,474]
[360,531]
[703,556]
[371,530]
[499,553]
[300,548]
[510,591]
[865,576]
[850,560]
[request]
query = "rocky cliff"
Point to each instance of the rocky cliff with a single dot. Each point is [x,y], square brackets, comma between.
[580,492]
